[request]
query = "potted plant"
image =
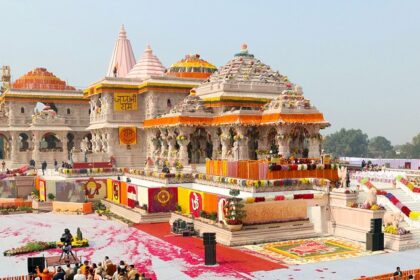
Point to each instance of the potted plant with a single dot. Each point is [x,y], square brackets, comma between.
[213,217]
[203,215]
[144,208]
[234,210]
[51,196]
[178,209]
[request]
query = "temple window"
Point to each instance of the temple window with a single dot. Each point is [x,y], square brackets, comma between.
[68,111]
[22,110]
[169,103]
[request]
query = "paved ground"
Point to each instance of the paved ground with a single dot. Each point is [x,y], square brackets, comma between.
[157,258]
[162,258]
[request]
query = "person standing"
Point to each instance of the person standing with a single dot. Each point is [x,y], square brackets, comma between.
[60,275]
[44,167]
[3,165]
[55,165]
[79,275]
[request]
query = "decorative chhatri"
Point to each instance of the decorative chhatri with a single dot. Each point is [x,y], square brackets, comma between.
[40,79]
[192,66]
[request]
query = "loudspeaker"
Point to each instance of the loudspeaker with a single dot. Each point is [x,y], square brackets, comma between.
[33,262]
[376,225]
[209,240]
[374,241]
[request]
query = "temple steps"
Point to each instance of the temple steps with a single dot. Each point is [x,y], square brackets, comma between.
[253,234]
[136,216]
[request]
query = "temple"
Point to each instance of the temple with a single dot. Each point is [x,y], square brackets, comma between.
[233,152]
[41,118]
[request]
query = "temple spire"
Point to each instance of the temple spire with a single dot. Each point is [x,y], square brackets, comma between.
[122,59]
[148,65]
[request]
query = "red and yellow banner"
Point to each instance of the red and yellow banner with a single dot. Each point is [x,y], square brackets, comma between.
[162,199]
[127,135]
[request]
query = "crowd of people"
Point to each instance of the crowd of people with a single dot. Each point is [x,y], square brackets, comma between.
[92,271]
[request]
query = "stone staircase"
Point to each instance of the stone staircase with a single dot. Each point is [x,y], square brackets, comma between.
[135,215]
[253,234]
[406,199]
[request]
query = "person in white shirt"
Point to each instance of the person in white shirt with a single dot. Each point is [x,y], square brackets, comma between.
[79,275]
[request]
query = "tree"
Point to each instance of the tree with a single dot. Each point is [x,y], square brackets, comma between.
[350,143]
[410,150]
[380,147]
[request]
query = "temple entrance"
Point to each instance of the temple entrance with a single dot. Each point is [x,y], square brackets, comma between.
[23,142]
[199,146]
[50,142]
[271,141]
[253,135]
[3,147]
[70,144]
[299,146]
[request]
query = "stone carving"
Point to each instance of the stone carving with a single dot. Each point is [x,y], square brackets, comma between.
[393,219]
[191,104]
[84,145]
[344,176]
[371,198]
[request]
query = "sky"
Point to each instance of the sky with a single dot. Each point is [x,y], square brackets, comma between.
[357,61]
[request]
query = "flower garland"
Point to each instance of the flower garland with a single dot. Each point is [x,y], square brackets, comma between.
[300,167]
[413,215]
[263,183]
[408,184]
[285,197]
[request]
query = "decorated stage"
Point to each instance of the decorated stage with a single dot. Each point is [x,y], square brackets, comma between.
[304,251]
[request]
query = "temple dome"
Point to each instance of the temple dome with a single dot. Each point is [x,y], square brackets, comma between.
[147,66]
[122,59]
[192,66]
[40,79]
[245,68]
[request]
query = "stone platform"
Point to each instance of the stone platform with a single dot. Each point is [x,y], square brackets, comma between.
[252,234]
[135,215]
[400,242]
[55,260]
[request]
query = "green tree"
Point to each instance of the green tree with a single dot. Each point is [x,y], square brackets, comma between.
[410,150]
[350,143]
[380,147]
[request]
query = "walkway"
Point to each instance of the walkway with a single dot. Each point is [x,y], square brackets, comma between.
[226,256]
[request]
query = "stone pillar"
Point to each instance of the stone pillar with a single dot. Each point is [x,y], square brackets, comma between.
[93,142]
[240,145]
[14,146]
[185,132]
[64,145]
[164,145]
[154,144]
[110,146]
[314,148]
[216,143]
[283,142]
[171,139]
[36,138]
[225,141]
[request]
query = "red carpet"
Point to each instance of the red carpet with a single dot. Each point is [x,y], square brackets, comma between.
[230,257]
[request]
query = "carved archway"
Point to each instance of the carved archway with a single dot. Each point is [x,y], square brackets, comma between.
[23,142]
[253,136]
[4,147]
[299,144]
[50,142]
